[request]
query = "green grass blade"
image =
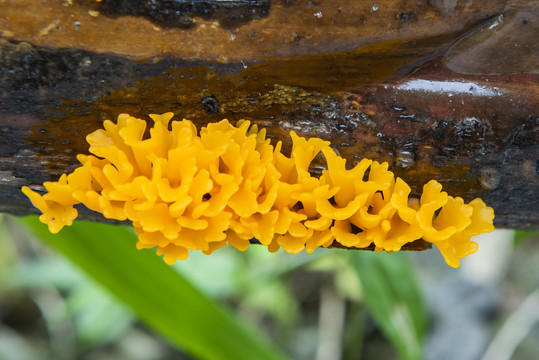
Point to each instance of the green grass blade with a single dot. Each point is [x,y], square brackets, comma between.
[392,295]
[523,235]
[160,296]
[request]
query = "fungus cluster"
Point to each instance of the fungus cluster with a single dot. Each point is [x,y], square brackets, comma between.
[227,185]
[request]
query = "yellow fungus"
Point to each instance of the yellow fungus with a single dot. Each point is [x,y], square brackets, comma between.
[226,185]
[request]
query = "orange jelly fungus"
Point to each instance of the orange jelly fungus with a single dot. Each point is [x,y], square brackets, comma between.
[186,191]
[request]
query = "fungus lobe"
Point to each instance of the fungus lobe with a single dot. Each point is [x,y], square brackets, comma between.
[188,190]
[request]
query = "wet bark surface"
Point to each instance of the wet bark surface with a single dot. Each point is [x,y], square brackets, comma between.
[439,92]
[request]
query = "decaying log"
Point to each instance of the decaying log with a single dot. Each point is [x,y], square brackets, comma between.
[280,29]
[439,92]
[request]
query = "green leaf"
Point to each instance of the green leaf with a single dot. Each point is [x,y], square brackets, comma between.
[392,295]
[7,251]
[159,295]
[97,317]
[523,235]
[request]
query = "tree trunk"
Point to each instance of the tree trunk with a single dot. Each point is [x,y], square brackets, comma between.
[440,92]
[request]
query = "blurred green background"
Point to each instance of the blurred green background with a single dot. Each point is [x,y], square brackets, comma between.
[87,293]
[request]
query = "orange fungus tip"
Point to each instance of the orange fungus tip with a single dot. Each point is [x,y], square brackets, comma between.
[188,190]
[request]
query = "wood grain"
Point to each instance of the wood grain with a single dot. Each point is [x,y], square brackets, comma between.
[396,84]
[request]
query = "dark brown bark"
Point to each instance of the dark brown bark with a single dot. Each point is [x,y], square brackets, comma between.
[420,102]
